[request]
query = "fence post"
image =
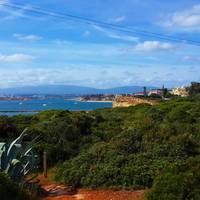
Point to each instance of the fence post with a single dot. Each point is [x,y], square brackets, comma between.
[45,163]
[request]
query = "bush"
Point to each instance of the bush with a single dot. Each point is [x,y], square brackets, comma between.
[11,191]
[180,181]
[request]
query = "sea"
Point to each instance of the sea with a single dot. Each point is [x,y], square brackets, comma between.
[34,106]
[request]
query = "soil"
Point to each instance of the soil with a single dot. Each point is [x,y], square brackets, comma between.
[61,192]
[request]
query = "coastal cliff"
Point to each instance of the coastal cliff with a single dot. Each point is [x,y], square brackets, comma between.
[126,101]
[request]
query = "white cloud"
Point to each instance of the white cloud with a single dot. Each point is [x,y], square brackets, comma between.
[27,37]
[54,56]
[119,19]
[87,75]
[2,7]
[68,75]
[11,14]
[115,35]
[123,37]
[16,58]
[191,58]
[149,46]
[188,20]
[86,33]
[3,1]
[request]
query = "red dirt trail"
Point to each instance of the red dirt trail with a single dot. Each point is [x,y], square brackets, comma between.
[61,192]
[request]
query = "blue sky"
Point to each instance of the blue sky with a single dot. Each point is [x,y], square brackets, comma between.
[38,50]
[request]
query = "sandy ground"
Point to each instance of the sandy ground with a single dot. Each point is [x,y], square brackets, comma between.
[61,192]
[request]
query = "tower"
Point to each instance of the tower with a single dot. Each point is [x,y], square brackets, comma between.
[145,92]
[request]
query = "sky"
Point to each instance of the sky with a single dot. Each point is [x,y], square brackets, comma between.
[40,49]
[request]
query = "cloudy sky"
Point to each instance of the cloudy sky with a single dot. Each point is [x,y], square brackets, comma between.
[39,49]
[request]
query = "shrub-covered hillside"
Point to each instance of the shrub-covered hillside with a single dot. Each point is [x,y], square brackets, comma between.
[133,147]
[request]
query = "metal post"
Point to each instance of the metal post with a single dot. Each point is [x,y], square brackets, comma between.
[45,163]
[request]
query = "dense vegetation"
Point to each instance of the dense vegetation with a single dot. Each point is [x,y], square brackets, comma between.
[194,88]
[181,180]
[135,147]
[11,191]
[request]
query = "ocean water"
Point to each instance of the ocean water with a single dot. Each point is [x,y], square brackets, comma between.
[32,106]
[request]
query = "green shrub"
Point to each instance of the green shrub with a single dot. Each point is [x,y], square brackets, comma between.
[180,181]
[11,191]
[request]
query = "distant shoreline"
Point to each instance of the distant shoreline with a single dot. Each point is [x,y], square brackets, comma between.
[90,101]
[93,101]
[20,111]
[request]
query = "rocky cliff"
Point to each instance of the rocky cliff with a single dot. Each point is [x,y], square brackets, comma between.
[123,101]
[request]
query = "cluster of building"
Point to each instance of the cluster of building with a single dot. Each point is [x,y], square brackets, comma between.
[145,93]
[179,91]
[13,98]
[142,97]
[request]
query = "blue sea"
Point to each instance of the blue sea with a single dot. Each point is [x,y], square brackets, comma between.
[32,106]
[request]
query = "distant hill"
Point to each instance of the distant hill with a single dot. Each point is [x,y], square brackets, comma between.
[69,89]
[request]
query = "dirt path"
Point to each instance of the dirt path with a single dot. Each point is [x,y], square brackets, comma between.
[63,193]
